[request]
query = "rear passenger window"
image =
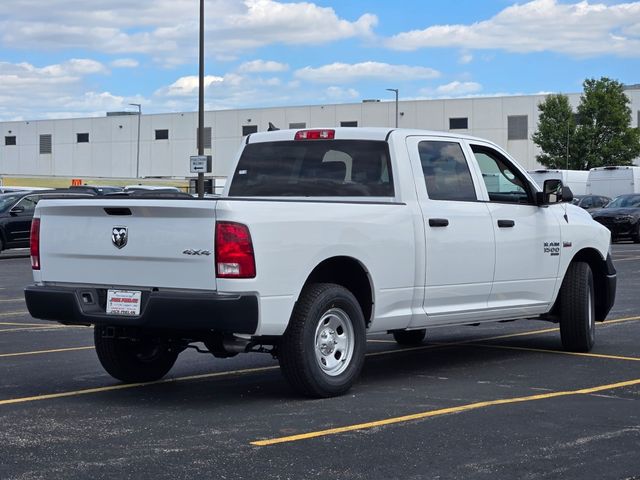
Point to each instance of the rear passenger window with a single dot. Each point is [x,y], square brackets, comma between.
[335,168]
[446,172]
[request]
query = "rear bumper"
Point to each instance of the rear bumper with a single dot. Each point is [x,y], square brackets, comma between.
[159,309]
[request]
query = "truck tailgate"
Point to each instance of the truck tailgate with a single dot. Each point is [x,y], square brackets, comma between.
[169,243]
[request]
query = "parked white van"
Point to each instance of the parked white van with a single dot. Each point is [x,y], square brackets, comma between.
[576,180]
[613,181]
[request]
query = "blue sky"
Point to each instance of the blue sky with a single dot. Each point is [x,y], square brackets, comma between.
[59,61]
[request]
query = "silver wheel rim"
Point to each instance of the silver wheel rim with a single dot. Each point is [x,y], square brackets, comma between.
[334,342]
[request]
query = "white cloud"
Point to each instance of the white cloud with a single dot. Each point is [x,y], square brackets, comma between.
[54,91]
[234,90]
[338,93]
[578,29]
[465,58]
[125,63]
[458,88]
[188,86]
[74,66]
[167,29]
[259,66]
[341,73]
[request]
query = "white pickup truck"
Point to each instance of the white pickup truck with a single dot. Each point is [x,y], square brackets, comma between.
[321,237]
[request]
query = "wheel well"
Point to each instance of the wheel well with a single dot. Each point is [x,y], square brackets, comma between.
[350,274]
[599,269]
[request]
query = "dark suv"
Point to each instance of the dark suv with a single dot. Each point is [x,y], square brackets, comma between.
[16,212]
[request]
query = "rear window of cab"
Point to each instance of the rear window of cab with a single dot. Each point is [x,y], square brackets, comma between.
[316,168]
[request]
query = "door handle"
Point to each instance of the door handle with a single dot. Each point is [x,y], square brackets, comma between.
[506,223]
[438,222]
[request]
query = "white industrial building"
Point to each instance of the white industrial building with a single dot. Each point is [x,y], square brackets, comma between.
[108,146]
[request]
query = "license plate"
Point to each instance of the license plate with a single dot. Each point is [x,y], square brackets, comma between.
[123,302]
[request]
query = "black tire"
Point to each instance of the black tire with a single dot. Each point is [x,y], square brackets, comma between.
[1,244]
[636,237]
[409,338]
[577,309]
[305,361]
[144,360]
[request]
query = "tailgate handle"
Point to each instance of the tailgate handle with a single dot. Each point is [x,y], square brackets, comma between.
[117,211]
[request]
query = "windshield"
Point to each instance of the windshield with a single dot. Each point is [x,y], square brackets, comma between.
[7,200]
[624,201]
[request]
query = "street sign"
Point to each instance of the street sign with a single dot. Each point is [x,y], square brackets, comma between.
[200,163]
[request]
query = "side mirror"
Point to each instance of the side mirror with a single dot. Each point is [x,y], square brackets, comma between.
[16,210]
[553,191]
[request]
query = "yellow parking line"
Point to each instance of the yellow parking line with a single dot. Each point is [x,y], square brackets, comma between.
[28,329]
[559,352]
[18,299]
[245,371]
[24,324]
[37,352]
[125,386]
[442,411]
[620,320]
[9,314]
[431,346]
[176,379]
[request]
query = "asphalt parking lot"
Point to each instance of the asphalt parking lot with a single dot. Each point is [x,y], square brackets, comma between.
[495,401]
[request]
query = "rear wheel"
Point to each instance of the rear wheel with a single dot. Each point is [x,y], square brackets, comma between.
[1,244]
[577,312]
[132,361]
[636,237]
[322,351]
[409,337]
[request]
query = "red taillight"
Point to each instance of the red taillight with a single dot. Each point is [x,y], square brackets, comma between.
[234,251]
[315,134]
[34,244]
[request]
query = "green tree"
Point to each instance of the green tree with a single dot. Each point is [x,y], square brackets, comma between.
[604,135]
[556,133]
[601,136]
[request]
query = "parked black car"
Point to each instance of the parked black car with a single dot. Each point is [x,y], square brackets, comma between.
[16,212]
[621,216]
[590,202]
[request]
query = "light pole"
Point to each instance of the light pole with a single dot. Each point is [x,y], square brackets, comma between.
[200,185]
[138,150]
[395,90]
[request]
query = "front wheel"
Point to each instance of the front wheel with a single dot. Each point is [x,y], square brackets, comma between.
[133,361]
[322,351]
[577,309]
